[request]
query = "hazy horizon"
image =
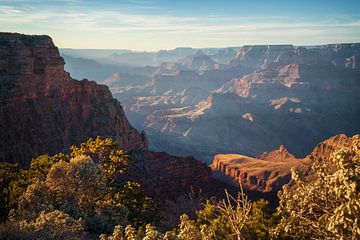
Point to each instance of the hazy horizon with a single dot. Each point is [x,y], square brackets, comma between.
[151,25]
[224,47]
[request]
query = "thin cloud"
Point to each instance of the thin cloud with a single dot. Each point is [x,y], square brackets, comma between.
[212,29]
[8,10]
[122,21]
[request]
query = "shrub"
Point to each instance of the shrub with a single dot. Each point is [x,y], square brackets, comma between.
[329,206]
[54,225]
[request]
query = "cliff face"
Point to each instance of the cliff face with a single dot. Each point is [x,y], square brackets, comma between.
[323,150]
[271,170]
[44,110]
[337,55]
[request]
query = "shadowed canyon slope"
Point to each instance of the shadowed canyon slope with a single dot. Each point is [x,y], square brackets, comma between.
[44,111]
[271,170]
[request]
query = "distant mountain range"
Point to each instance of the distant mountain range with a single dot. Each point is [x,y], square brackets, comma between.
[99,64]
[247,100]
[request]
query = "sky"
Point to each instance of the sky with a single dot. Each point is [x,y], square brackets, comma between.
[149,25]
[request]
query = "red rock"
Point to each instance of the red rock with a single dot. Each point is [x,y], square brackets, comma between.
[324,149]
[271,170]
[277,155]
[44,110]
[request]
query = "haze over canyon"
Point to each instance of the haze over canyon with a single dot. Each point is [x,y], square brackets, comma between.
[247,100]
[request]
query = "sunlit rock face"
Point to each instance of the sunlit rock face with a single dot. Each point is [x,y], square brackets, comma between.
[44,110]
[264,97]
[271,170]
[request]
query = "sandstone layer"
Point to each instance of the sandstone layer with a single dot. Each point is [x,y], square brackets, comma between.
[271,170]
[44,110]
[266,96]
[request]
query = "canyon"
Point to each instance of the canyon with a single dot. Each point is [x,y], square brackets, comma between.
[44,111]
[237,105]
[247,100]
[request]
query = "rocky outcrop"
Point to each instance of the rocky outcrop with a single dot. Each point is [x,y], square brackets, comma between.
[255,174]
[280,155]
[271,170]
[44,110]
[323,150]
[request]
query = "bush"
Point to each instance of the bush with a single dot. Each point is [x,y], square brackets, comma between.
[55,225]
[329,206]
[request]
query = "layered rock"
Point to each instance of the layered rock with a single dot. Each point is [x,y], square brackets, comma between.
[271,170]
[43,110]
[162,84]
[255,174]
[266,96]
[323,150]
[262,56]
[259,55]
[280,155]
[296,104]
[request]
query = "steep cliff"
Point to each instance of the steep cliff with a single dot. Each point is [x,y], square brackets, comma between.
[44,110]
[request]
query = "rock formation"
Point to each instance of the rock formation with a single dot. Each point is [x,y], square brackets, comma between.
[281,155]
[324,149]
[271,170]
[266,96]
[44,111]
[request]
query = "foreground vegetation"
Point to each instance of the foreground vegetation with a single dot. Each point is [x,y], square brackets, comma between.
[83,196]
